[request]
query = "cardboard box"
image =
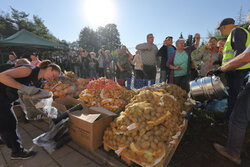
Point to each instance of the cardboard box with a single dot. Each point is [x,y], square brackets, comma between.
[89,135]
[68,102]
[63,104]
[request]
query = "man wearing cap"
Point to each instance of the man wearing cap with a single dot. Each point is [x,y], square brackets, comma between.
[165,51]
[241,112]
[237,41]
[12,58]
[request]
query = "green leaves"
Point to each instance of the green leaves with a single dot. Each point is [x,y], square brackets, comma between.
[12,22]
[107,37]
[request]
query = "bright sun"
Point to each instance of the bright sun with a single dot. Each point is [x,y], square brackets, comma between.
[99,12]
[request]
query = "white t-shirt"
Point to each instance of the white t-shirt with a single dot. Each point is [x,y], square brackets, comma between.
[137,61]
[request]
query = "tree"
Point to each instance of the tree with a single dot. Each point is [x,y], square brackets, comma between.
[112,36]
[107,37]
[17,20]
[240,18]
[6,27]
[101,37]
[74,45]
[88,39]
[14,21]
[41,30]
[216,34]
[20,19]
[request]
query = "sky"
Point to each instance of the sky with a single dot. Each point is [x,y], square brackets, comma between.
[134,18]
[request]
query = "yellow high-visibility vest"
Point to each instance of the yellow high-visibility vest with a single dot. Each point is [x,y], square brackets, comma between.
[228,52]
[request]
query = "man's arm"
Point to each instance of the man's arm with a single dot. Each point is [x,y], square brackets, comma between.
[197,41]
[143,46]
[199,56]
[120,67]
[238,61]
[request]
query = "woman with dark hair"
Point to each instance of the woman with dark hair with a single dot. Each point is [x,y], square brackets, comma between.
[34,59]
[28,80]
[209,57]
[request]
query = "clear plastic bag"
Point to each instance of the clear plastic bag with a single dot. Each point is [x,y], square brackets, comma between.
[55,137]
[38,106]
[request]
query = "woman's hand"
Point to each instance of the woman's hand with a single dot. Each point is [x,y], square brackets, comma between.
[179,68]
[29,90]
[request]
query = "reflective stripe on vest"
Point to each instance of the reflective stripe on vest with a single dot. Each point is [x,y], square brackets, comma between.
[226,60]
[228,52]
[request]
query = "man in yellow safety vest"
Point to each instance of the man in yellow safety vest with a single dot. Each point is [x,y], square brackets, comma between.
[237,41]
[241,112]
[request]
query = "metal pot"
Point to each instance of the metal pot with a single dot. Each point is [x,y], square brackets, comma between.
[207,88]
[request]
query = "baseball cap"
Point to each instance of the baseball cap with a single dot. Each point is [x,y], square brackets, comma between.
[168,37]
[226,21]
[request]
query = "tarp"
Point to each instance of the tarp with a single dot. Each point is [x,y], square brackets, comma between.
[25,38]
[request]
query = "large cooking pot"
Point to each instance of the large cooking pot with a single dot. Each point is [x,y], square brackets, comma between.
[207,88]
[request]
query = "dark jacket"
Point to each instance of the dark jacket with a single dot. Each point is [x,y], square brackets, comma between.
[163,53]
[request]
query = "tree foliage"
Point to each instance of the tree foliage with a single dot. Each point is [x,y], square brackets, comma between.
[240,22]
[240,18]
[12,22]
[107,37]
[17,20]
[88,39]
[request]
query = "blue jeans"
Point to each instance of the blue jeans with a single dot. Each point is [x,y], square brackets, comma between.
[238,122]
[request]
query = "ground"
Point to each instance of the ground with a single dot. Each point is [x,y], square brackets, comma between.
[195,149]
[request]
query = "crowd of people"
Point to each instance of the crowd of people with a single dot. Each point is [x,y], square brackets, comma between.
[174,63]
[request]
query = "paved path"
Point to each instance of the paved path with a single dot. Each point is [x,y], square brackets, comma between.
[70,155]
